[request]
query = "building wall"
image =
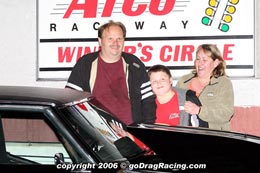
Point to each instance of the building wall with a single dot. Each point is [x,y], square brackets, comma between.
[246,120]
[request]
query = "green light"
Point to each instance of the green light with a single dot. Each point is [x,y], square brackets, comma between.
[223,27]
[206,20]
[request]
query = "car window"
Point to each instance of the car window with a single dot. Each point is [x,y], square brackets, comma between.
[93,125]
[92,134]
[29,138]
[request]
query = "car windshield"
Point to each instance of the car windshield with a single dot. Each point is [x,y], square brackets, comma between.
[92,125]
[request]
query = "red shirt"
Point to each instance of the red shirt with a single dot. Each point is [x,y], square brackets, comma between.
[111,91]
[168,113]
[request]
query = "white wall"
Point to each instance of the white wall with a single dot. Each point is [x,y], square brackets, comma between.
[18,52]
[18,44]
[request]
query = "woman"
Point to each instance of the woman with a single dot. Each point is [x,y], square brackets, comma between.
[169,100]
[212,86]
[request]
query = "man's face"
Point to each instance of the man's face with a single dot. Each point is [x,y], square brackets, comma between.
[112,42]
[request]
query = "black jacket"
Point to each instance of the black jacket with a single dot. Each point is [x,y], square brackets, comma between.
[142,99]
[191,96]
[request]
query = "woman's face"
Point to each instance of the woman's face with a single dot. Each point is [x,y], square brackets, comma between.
[204,64]
[161,83]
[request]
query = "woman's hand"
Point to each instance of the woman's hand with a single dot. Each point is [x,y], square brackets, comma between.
[191,108]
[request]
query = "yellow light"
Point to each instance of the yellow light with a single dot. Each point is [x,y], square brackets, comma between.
[234,1]
[209,12]
[231,9]
[227,18]
[213,3]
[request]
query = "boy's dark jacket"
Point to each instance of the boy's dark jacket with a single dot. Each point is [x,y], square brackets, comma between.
[188,95]
[191,96]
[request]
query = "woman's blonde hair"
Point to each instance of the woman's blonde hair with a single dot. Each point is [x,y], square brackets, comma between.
[212,51]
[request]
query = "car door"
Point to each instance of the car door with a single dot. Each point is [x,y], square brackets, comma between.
[29,137]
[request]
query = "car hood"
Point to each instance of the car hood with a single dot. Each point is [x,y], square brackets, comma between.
[187,145]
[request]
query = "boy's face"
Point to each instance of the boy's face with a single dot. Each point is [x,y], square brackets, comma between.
[161,83]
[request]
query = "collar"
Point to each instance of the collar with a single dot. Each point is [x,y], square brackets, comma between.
[213,80]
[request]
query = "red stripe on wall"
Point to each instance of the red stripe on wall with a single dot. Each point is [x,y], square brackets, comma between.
[246,120]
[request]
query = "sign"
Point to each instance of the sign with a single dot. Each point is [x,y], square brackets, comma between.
[158,32]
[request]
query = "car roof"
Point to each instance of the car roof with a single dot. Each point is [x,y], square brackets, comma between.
[41,95]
